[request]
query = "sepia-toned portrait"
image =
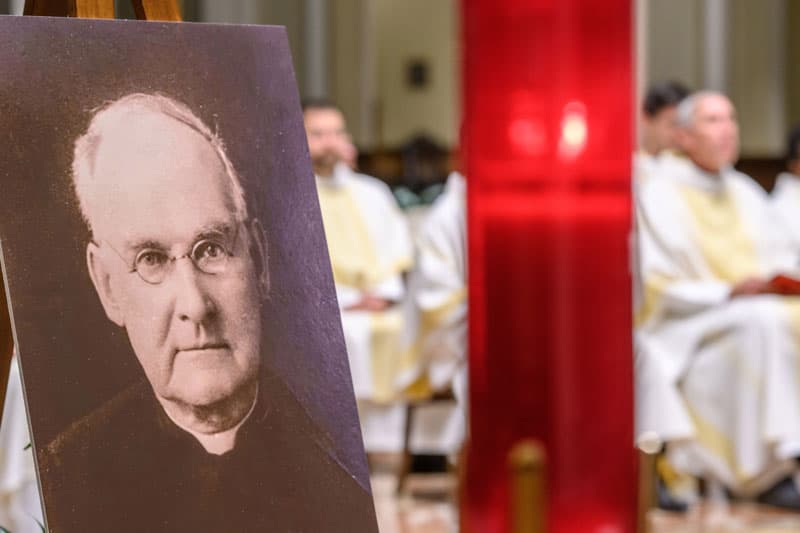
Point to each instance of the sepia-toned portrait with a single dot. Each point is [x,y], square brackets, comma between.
[169,282]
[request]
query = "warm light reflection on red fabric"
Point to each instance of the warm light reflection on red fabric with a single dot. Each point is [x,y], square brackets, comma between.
[548,132]
[574,131]
[528,136]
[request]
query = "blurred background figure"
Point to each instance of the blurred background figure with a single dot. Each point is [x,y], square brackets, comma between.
[439,289]
[718,365]
[370,250]
[657,127]
[437,331]
[786,194]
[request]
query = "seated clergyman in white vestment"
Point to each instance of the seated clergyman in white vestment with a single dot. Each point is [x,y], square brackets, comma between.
[657,128]
[370,250]
[439,292]
[717,356]
[785,196]
[657,146]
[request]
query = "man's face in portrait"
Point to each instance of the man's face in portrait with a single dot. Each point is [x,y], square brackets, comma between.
[174,263]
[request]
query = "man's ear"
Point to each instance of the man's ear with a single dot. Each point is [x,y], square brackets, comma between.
[101,278]
[260,254]
[794,167]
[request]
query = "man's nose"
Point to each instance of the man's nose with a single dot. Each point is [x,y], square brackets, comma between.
[193,301]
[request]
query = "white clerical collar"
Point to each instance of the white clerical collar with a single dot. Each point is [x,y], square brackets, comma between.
[666,152]
[221,442]
[691,174]
[456,180]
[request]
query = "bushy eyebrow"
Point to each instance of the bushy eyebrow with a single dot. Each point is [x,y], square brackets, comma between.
[143,245]
[209,231]
[214,230]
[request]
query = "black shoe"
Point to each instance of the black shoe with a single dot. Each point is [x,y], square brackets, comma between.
[666,501]
[783,494]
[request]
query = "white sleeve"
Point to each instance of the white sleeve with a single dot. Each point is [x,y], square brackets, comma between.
[671,283]
[347,296]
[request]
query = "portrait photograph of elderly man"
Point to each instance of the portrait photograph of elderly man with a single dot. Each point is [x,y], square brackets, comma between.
[170,288]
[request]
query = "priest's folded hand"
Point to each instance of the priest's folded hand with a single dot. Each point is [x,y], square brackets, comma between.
[370,303]
[750,287]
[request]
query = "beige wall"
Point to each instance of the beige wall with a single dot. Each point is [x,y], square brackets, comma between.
[759,49]
[369,43]
[674,45]
[407,30]
[372,42]
[757,81]
[792,62]
[353,78]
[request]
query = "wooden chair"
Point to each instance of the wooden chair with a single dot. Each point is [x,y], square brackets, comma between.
[412,406]
[646,500]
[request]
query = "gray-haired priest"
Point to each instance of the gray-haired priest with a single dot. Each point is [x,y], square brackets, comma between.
[718,359]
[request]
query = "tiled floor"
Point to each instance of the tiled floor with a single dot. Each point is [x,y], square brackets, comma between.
[429,506]
[724,518]
[426,507]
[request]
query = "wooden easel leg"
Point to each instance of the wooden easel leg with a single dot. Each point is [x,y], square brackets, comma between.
[103,9]
[90,9]
[157,10]
[94,9]
[49,8]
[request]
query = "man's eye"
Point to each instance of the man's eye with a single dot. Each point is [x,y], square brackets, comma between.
[150,259]
[209,250]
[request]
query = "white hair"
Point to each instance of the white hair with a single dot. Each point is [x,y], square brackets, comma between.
[684,113]
[111,113]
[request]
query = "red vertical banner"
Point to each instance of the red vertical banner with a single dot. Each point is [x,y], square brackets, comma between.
[548,131]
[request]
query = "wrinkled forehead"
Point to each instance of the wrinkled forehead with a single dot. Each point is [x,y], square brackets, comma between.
[714,105]
[147,138]
[158,177]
